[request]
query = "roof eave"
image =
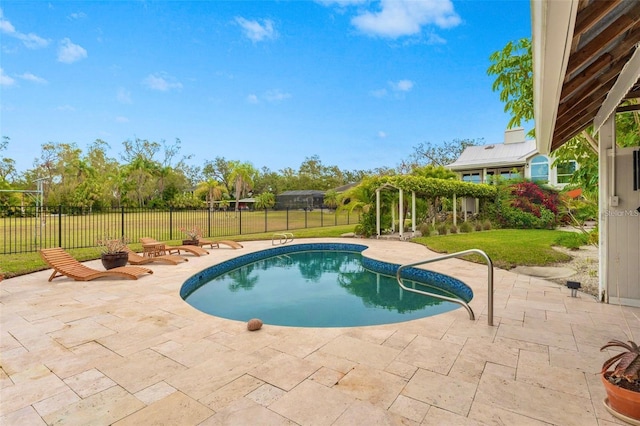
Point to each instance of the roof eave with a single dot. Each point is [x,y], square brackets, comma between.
[552,24]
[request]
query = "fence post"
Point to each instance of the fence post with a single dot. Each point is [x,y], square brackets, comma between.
[209,221]
[60,225]
[122,234]
[287,218]
[170,223]
[240,222]
[305,218]
[266,227]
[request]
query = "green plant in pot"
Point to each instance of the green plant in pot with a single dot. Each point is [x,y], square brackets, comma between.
[193,233]
[623,382]
[114,253]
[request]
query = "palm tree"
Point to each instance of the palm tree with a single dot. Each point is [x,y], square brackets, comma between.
[242,175]
[213,189]
[264,201]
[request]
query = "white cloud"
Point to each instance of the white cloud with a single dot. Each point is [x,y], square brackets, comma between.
[68,52]
[31,41]
[124,96]
[379,93]
[33,78]
[397,18]
[398,89]
[273,96]
[341,3]
[77,15]
[121,119]
[5,80]
[255,31]
[276,96]
[161,83]
[382,135]
[402,85]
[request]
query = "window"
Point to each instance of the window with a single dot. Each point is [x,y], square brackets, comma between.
[566,170]
[471,177]
[540,168]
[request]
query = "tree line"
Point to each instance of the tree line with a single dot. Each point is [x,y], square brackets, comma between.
[155,174]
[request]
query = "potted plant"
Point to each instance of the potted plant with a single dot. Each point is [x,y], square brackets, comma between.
[113,254]
[622,384]
[193,233]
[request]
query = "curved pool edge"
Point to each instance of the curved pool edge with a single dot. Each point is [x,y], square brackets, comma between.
[451,284]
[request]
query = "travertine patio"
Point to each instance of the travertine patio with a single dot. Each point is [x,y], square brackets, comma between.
[132,352]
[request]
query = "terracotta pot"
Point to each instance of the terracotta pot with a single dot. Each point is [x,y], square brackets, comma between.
[190,242]
[622,401]
[114,260]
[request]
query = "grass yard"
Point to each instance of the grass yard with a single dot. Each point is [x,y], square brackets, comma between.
[12,265]
[507,248]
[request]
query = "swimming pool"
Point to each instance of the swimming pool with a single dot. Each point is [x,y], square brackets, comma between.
[317,285]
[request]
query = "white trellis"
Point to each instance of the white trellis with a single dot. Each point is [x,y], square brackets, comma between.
[393,210]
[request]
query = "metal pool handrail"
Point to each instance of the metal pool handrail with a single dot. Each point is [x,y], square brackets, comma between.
[452,299]
[285,237]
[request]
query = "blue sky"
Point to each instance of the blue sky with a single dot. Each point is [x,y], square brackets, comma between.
[358,83]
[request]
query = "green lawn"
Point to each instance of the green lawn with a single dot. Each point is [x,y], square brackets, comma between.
[507,248]
[19,264]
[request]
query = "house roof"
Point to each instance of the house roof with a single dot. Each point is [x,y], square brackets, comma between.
[494,155]
[303,193]
[586,61]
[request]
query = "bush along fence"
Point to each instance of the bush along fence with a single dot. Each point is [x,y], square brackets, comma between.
[29,228]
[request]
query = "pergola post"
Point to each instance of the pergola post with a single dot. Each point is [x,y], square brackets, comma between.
[455,210]
[393,218]
[378,212]
[464,206]
[401,212]
[413,213]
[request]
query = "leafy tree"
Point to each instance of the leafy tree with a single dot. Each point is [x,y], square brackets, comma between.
[243,175]
[428,154]
[220,170]
[331,198]
[266,200]
[213,191]
[513,68]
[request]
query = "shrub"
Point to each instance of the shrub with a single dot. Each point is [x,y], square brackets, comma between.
[572,240]
[479,226]
[466,227]
[453,229]
[486,225]
[442,229]
[425,229]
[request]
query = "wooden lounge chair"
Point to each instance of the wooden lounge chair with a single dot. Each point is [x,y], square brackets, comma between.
[64,264]
[136,259]
[167,249]
[216,244]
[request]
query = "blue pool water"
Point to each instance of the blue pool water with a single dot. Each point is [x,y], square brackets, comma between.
[317,285]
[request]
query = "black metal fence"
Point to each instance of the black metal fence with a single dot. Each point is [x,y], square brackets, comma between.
[30,228]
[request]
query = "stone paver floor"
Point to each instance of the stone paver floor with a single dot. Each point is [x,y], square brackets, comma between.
[124,352]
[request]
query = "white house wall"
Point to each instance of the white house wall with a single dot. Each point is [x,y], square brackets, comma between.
[623,233]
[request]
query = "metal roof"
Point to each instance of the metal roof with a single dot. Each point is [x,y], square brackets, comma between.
[495,155]
[302,192]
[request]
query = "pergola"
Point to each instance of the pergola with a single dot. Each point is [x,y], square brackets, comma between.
[586,63]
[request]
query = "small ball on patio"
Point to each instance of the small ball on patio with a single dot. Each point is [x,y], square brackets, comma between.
[254,324]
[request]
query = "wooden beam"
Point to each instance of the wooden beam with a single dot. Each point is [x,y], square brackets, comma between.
[592,14]
[603,40]
[578,81]
[628,108]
